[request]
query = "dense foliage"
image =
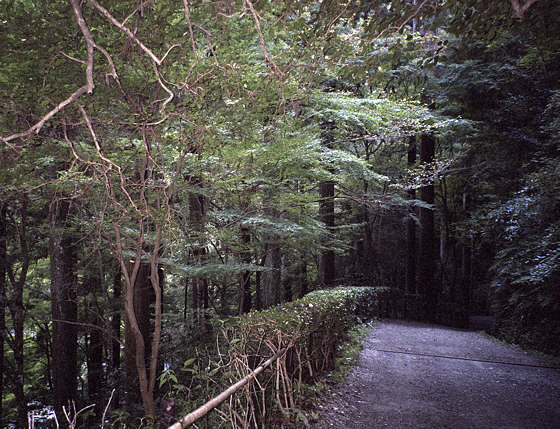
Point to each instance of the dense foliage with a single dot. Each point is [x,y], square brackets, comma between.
[166,166]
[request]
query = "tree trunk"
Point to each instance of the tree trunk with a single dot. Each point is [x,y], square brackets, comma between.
[427,265]
[326,269]
[245,277]
[410,265]
[196,221]
[64,310]
[258,291]
[272,277]
[116,320]
[116,307]
[466,274]
[288,293]
[303,283]
[17,311]
[94,344]
[138,331]
[326,215]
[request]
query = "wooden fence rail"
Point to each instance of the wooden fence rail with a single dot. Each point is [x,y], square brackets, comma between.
[213,403]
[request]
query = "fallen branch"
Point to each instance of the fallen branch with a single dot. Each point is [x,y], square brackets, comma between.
[213,403]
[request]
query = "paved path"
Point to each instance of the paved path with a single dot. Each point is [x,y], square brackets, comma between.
[413,375]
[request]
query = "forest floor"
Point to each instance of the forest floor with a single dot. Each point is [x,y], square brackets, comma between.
[413,375]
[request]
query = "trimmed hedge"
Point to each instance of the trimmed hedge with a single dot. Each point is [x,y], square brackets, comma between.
[310,329]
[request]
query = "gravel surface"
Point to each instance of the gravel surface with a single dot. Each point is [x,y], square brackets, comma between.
[413,375]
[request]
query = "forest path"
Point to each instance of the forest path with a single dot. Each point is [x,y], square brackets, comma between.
[413,375]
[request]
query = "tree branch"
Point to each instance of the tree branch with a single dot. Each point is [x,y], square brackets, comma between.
[87,88]
[267,58]
[90,44]
[126,30]
[520,9]
[37,127]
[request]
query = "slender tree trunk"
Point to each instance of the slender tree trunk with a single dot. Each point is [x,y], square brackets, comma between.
[19,358]
[411,228]
[94,344]
[303,283]
[116,320]
[115,353]
[138,332]
[196,221]
[466,273]
[327,271]
[135,323]
[427,265]
[258,291]
[64,309]
[368,253]
[287,283]
[245,292]
[17,311]
[245,277]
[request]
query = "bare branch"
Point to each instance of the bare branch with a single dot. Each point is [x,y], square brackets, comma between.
[87,88]
[191,33]
[126,30]
[64,54]
[165,88]
[106,408]
[37,127]
[520,9]
[267,58]
[90,44]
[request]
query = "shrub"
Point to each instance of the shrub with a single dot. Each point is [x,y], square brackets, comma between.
[310,329]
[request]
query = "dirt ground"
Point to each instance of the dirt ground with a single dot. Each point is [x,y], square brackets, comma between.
[413,375]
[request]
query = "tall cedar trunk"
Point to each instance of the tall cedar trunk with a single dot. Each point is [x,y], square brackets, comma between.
[116,320]
[64,310]
[3,302]
[17,312]
[410,265]
[368,266]
[326,215]
[427,257]
[466,273]
[365,247]
[196,221]
[326,269]
[94,343]
[258,291]
[272,277]
[116,331]
[288,292]
[303,283]
[143,298]
[245,277]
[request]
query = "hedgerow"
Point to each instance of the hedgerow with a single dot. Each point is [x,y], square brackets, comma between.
[310,329]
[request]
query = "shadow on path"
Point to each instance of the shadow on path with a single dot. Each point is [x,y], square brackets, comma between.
[414,375]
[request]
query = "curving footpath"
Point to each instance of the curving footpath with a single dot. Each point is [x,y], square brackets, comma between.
[413,375]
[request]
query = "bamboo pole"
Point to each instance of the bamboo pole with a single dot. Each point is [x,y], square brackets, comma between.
[213,403]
